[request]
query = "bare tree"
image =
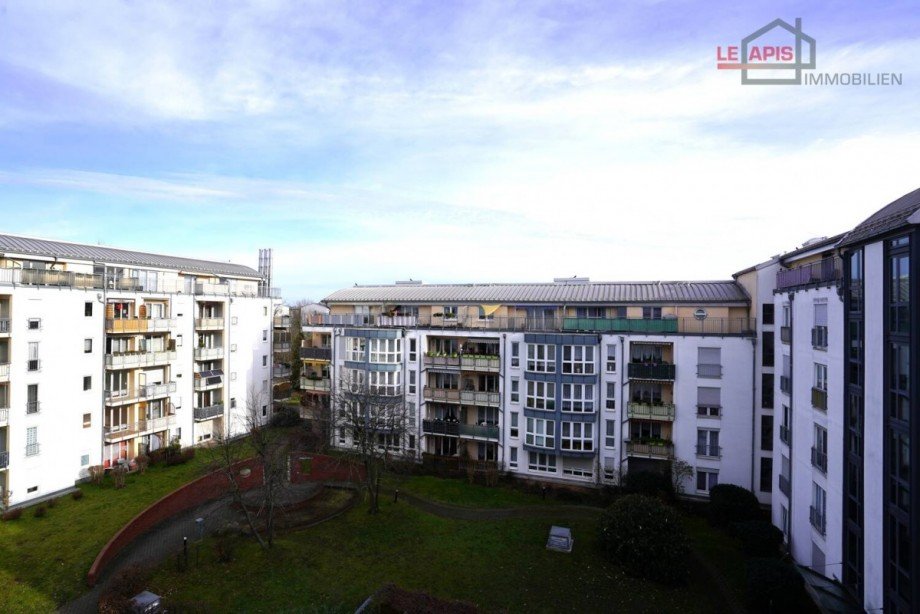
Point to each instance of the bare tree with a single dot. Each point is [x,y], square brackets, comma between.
[680,471]
[373,423]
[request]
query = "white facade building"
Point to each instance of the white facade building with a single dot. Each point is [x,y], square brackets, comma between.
[106,354]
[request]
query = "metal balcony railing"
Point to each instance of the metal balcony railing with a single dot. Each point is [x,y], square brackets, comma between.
[440,427]
[480,431]
[819,398]
[661,371]
[476,397]
[826,271]
[152,391]
[784,485]
[316,353]
[4,459]
[785,334]
[281,371]
[138,325]
[315,384]
[281,321]
[817,518]
[449,395]
[146,426]
[649,411]
[819,459]
[663,450]
[819,337]
[130,360]
[480,363]
[785,434]
[785,383]
[209,323]
[442,361]
[209,353]
[4,325]
[210,412]
[709,371]
[703,449]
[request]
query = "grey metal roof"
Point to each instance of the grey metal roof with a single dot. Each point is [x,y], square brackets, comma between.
[824,244]
[888,218]
[110,255]
[695,292]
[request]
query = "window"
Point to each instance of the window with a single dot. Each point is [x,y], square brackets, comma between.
[413,350]
[818,507]
[578,436]
[84,460]
[450,312]
[264,360]
[819,451]
[264,410]
[787,315]
[384,382]
[766,433]
[265,334]
[541,358]
[610,469]
[590,312]
[412,382]
[179,343]
[819,332]
[32,441]
[513,458]
[610,439]
[709,363]
[578,398]
[515,390]
[899,297]
[768,314]
[234,320]
[32,399]
[611,395]
[514,425]
[386,351]
[540,433]
[515,354]
[87,309]
[35,323]
[33,363]
[233,376]
[411,443]
[708,402]
[264,311]
[767,356]
[87,346]
[820,376]
[578,359]
[265,385]
[487,314]
[766,390]
[541,395]
[87,420]
[232,402]
[651,313]
[611,359]
[707,443]
[706,479]
[538,461]
[766,474]
[87,382]
[355,349]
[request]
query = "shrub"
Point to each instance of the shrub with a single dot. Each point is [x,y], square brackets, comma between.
[142,462]
[775,586]
[647,539]
[117,595]
[648,483]
[180,457]
[286,416]
[76,495]
[52,503]
[224,549]
[759,538]
[40,511]
[729,504]
[157,457]
[96,474]
[15,514]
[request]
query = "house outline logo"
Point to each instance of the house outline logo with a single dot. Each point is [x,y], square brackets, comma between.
[783,57]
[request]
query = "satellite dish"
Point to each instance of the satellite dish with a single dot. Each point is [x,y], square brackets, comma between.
[700,314]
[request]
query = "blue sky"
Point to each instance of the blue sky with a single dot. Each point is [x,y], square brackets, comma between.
[447,141]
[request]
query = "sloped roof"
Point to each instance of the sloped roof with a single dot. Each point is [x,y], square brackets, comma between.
[75,251]
[822,245]
[696,292]
[888,218]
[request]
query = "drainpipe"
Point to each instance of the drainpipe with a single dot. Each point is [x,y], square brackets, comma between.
[791,411]
[101,298]
[623,402]
[501,381]
[754,409]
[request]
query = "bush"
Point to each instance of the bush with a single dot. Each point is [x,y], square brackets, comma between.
[76,495]
[759,538]
[124,586]
[775,586]
[157,457]
[648,483]
[142,462]
[286,416]
[15,514]
[180,457]
[40,511]
[647,539]
[729,504]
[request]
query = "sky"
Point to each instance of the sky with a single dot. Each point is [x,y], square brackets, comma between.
[368,142]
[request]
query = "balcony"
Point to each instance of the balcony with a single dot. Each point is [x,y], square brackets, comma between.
[446,395]
[209,353]
[475,397]
[4,326]
[4,459]
[4,415]
[33,407]
[661,371]
[440,427]
[209,323]
[138,325]
[819,460]
[785,434]
[316,353]
[4,371]
[785,334]
[784,485]
[659,448]
[819,398]
[817,519]
[434,360]
[709,371]
[209,413]
[153,391]
[489,364]
[281,372]
[819,337]
[36,277]
[785,383]
[827,271]
[282,346]
[281,322]
[479,431]
[649,411]
[141,427]
[132,360]
[209,380]
[212,288]
[315,384]
[708,450]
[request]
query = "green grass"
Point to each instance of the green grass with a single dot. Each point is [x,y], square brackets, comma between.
[43,561]
[722,551]
[459,492]
[498,565]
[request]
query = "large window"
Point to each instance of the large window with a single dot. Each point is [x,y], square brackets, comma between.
[611,395]
[610,438]
[538,461]
[709,362]
[766,433]
[355,349]
[578,359]
[541,395]
[820,376]
[708,402]
[384,382]
[706,479]
[768,348]
[611,359]
[515,390]
[541,433]
[578,398]
[541,358]
[386,351]
[515,354]
[707,443]
[578,436]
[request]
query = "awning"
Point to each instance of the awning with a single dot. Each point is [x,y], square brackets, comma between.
[489,309]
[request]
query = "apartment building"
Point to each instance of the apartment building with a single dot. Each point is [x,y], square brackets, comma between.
[569,381]
[106,354]
[281,350]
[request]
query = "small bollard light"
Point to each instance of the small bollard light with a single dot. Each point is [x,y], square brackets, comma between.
[396,496]
[543,492]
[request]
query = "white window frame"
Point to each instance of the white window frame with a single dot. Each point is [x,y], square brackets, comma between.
[578,398]
[541,433]
[711,477]
[820,376]
[355,349]
[540,461]
[541,358]
[515,354]
[541,395]
[610,434]
[385,351]
[513,458]
[515,390]
[514,430]
[578,359]
[611,365]
[578,436]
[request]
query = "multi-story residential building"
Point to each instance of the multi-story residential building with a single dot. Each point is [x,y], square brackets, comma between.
[106,354]
[281,350]
[570,381]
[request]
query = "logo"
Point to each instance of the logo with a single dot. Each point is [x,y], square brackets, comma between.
[776,53]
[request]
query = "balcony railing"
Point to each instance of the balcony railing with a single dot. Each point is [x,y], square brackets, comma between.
[281,371]
[659,449]
[209,353]
[785,383]
[480,363]
[481,431]
[819,337]
[785,434]
[662,371]
[784,485]
[440,427]
[442,361]
[449,395]
[785,334]
[152,391]
[33,407]
[819,459]
[4,326]
[475,397]
[316,353]
[826,271]
[321,384]
[709,371]
[136,429]
[703,449]
[4,459]
[209,413]
[32,449]
[817,519]
[282,346]
[4,415]
[209,323]
[4,371]
[689,326]
[819,398]
[648,411]
[138,325]
[281,321]
[130,360]
[33,364]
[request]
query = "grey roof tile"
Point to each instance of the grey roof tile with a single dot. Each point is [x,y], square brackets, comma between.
[888,218]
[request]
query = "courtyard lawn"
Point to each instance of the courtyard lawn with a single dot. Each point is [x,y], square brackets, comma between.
[459,492]
[498,565]
[721,551]
[43,561]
